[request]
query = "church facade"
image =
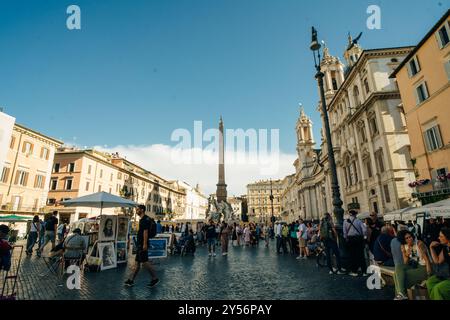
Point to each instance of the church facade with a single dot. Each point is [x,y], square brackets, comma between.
[369,136]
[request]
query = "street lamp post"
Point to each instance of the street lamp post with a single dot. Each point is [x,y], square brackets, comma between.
[271,199]
[337,202]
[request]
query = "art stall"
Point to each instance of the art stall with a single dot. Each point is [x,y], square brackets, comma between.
[106,235]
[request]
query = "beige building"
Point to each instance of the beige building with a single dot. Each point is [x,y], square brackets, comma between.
[424,82]
[290,207]
[195,203]
[24,180]
[258,197]
[78,173]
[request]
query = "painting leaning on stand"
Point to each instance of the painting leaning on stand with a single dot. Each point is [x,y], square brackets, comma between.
[142,249]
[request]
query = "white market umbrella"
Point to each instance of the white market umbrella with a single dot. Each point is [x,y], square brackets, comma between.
[441,208]
[100,200]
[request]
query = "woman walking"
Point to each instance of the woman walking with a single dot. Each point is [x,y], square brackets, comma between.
[224,237]
[234,236]
[247,235]
[33,235]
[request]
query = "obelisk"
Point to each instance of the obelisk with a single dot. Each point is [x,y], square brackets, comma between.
[221,192]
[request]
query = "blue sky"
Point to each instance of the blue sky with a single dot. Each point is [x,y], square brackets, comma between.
[140,69]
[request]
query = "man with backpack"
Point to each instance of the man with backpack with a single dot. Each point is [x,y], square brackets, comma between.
[147,230]
[328,236]
[51,226]
[355,233]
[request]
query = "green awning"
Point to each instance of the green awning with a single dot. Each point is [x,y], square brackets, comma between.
[14,218]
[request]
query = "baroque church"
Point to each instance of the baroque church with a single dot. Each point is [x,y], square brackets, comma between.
[369,136]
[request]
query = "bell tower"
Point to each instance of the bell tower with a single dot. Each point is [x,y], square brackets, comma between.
[305,139]
[353,51]
[333,69]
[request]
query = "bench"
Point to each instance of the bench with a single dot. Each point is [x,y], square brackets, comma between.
[387,275]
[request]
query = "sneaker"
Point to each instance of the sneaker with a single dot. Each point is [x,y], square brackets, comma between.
[298,258]
[210,254]
[129,283]
[153,283]
[365,274]
[214,254]
[304,257]
[340,272]
[400,296]
[335,270]
[331,272]
[353,274]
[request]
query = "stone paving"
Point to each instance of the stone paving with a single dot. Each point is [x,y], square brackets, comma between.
[246,273]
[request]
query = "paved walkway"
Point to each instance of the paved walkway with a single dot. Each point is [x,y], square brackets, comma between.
[246,273]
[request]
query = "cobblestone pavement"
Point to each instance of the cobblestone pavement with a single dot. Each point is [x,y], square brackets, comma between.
[246,273]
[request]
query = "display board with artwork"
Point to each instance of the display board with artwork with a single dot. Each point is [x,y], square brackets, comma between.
[157,248]
[107,230]
[121,249]
[107,255]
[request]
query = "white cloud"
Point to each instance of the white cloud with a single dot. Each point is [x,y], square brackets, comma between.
[161,160]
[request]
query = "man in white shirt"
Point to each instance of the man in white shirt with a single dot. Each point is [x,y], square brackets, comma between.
[355,234]
[278,236]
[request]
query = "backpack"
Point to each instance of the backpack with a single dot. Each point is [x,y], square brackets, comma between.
[152,229]
[285,231]
[325,230]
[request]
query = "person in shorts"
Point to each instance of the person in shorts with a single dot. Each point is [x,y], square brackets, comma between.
[51,226]
[142,249]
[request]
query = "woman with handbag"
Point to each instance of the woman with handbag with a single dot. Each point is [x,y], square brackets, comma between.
[416,268]
[439,284]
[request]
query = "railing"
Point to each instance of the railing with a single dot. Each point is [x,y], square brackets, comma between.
[430,187]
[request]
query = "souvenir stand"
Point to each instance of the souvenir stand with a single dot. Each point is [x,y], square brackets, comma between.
[110,232]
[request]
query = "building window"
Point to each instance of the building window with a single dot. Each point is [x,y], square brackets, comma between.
[422,93]
[387,196]
[380,161]
[99,188]
[369,168]
[13,142]
[21,178]
[69,184]
[71,167]
[366,85]
[433,138]
[413,67]
[27,148]
[443,35]
[51,201]
[356,96]
[112,176]
[119,175]
[53,184]
[39,181]
[373,125]
[334,83]
[45,153]
[5,175]
[87,185]
[89,169]
[56,167]
[101,173]
[355,170]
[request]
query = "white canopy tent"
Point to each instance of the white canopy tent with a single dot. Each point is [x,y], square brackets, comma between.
[433,210]
[100,200]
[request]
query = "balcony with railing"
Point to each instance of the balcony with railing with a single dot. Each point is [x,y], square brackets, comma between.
[429,188]
[14,208]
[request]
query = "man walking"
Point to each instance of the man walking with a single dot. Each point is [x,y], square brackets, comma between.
[355,232]
[211,236]
[145,224]
[328,236]
[51,226]
[278,228]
